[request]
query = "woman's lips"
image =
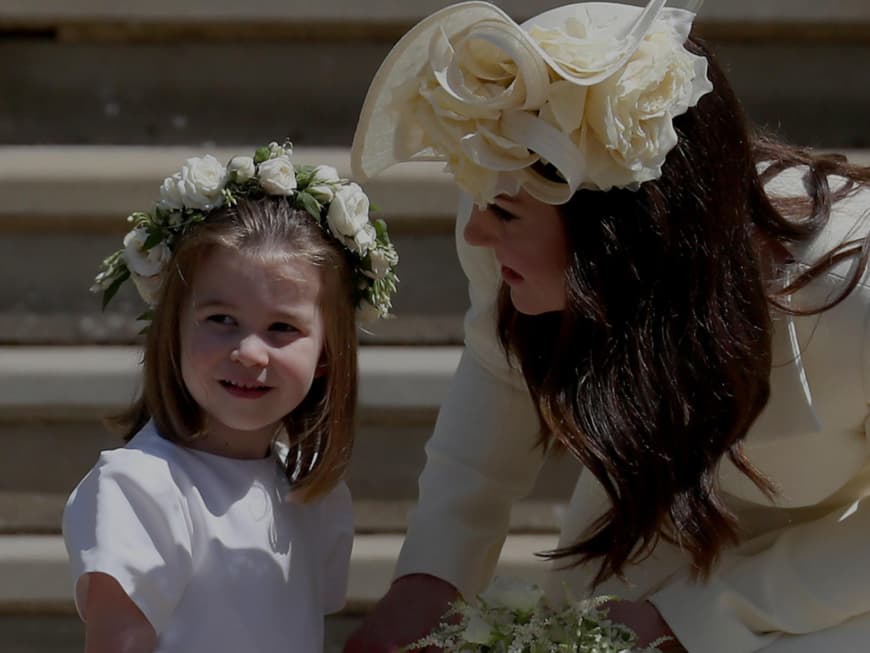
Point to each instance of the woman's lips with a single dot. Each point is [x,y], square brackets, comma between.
[510,275]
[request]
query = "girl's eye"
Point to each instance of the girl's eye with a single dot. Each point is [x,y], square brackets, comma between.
[283,327]
[221,319]
[501,213]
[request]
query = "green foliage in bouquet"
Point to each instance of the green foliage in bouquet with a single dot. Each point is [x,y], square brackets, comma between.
[514,617]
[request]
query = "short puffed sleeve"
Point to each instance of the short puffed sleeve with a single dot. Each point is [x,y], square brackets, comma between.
[126,519]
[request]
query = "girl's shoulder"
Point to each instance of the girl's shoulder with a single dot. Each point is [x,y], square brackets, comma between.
[148,464]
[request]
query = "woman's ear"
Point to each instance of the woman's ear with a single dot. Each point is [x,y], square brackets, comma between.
[322,367]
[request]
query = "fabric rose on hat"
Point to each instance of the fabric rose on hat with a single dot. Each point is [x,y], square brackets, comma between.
[630,115]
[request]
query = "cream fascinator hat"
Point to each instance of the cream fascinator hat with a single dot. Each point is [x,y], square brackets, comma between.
[587,91]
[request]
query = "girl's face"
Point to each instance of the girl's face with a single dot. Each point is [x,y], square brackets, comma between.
[251,341]
[528,239]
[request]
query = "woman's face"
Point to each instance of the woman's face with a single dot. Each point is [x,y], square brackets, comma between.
[528,239]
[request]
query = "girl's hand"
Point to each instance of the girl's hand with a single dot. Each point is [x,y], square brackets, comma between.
[411,608]
[113,623]
[643,618]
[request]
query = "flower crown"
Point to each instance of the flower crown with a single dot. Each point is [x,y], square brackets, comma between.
[587,90]
[203,184]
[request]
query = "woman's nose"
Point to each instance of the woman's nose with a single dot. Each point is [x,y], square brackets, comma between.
[252,352]
[482,229]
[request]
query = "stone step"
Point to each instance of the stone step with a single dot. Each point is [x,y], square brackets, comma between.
[52,400]
[799,78]
[64,632]
[36,577]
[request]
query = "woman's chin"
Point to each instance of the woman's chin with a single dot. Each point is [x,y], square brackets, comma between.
[534,305]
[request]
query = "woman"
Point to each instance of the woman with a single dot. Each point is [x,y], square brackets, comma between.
[681,306]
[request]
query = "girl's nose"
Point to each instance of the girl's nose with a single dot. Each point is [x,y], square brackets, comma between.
[482,229]
[251,352]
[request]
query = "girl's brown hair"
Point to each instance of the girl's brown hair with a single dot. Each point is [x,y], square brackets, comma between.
[660,362]
[320,429]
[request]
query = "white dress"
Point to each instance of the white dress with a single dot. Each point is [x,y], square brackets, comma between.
[799,583]
[209,548]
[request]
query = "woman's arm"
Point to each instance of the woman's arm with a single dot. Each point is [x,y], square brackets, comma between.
[113,623]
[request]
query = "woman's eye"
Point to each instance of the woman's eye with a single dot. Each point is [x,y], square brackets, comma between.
[502,214]
[283,327]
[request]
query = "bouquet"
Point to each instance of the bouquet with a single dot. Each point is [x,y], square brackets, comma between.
[512,616]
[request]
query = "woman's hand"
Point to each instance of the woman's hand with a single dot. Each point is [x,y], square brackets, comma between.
[411,608]
[643,618]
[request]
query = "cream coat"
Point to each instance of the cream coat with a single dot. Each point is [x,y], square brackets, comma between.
[799,583]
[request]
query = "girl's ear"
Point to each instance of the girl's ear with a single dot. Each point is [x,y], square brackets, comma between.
[322,367]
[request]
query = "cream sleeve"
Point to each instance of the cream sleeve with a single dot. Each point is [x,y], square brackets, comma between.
[802,579]
[482,455]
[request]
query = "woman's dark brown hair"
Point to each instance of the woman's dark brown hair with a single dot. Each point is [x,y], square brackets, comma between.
[660,362]
[320,429]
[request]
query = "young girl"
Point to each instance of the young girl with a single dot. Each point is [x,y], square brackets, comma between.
[223,525]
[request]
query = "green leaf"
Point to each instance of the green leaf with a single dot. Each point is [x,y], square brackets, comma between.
[262,154]
[304,175]
[309,204]
[113,289]
[154,238]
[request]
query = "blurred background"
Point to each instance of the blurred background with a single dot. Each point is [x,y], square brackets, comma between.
[99,100]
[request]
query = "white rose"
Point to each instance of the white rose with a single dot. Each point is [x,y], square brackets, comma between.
[365,239]
[197,186]
[382,260]
[277,176]
[242,167]
[141,262]
[170,194]
[512,594]
[148,287]
[323,181]
[477,631]
[629,116]
[348,212]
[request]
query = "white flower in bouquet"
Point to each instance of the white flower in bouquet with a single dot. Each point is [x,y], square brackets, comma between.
[512,616]
[515,595]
